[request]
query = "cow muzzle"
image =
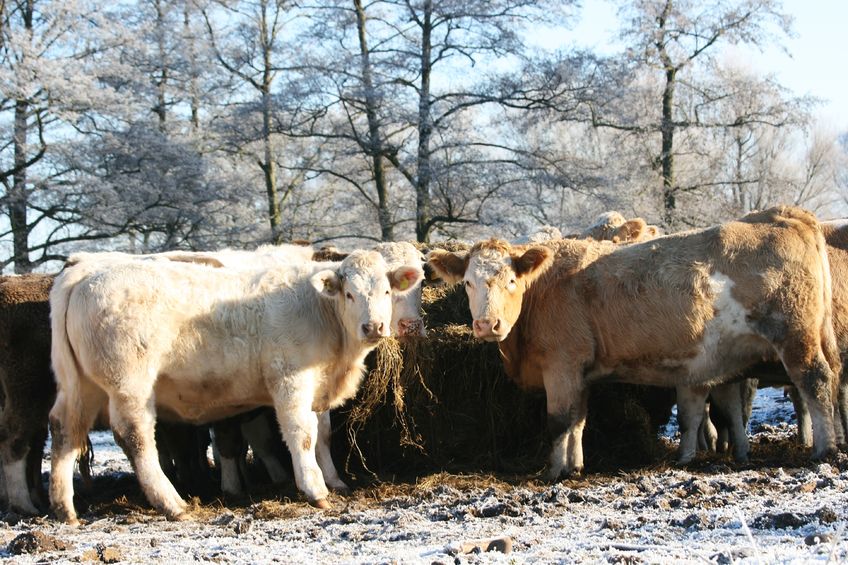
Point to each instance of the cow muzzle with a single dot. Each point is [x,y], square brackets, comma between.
[373,331]
[490,329]
[411,327]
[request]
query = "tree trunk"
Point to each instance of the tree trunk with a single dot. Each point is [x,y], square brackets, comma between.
[161,84]
[193,71]
[425,128]
[375,142]
[18,199]
[268,165]
[667,155]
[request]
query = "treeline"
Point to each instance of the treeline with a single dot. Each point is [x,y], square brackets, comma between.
[147,125]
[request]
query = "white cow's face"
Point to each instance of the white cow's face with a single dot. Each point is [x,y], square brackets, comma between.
[495,279]
[406,307]
[363,287]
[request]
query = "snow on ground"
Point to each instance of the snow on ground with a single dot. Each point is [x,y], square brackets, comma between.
[757,514]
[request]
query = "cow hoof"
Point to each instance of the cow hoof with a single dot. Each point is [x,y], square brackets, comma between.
[741,458]
[555,476]
[24,510]
[824,454]
[181,517]
[343,490]
[684,460]
[68,518]
[322,504]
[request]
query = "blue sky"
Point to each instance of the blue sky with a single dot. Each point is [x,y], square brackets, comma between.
[816,63]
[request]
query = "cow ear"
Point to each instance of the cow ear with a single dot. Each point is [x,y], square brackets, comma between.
[631,230]
[404,279]
[532,263]
[448,266]
[327,283]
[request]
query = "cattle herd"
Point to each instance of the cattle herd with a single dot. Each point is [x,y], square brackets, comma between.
[261,345]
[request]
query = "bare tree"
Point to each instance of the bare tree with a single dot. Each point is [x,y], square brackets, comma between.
[47,83]
[250,50]
[676,39]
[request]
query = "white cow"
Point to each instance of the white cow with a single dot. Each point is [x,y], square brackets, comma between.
[406,308]
[200,343]
[406,322]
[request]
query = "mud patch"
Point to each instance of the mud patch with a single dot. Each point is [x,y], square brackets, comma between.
[35,542]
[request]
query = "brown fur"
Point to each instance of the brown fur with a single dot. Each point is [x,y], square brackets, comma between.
[641,311]
[27,388]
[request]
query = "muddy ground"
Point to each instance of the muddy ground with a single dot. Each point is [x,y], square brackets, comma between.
[778,508]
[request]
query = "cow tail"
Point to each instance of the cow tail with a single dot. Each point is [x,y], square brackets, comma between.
[67,370]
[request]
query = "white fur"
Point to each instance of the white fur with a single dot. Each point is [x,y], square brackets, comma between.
[727,325]
[16,486]
[200,343]
[406,308]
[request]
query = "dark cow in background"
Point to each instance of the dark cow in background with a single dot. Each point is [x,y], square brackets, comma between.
[26,386]
[690,309]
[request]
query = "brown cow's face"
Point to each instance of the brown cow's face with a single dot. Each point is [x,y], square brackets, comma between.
[494,294]
[495,279]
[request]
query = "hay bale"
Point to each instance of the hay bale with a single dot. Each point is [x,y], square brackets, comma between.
[444,403]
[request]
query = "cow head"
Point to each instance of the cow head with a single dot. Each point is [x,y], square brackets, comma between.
[612,226]
[495,277]
[406,308]
[362,286]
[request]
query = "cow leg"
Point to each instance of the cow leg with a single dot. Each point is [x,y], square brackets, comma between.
[325,459]
[690,412]
[4,497]
[265,440]
[14,452]
[14,466]
[814,380]
[707,433]
[230,447]
[728,400]
[167,444]
[299,426]
[567,407]
[133,425]
[72,416]
[802,415]
[842,409]
[36,453]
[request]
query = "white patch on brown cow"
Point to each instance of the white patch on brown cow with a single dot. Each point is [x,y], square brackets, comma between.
[728,323]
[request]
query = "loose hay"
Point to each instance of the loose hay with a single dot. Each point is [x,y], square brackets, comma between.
[444,403]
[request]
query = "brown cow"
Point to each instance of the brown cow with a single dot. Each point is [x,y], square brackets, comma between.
[26,386]
[731,402]
[688,309]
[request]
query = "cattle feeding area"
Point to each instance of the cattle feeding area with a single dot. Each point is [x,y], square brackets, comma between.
[793,510]
[445,444]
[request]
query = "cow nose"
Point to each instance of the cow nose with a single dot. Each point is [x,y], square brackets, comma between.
[373,329]
[487,327]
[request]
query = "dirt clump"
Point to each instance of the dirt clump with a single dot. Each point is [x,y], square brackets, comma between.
[35,542]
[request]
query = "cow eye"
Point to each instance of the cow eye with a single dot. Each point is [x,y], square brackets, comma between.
[467,284]
[387,293]
[349,296]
